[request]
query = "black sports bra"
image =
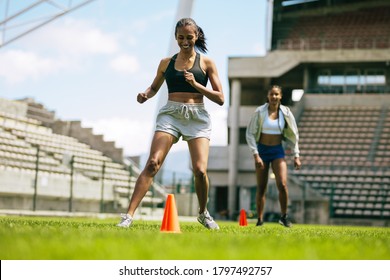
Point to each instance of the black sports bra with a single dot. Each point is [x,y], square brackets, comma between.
[175,79]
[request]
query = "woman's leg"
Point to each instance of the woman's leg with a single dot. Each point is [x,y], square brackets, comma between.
[161,144]
[279,167]
[199,151]
[262,182]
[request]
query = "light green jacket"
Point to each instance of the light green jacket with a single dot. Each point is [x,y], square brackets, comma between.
[290,131]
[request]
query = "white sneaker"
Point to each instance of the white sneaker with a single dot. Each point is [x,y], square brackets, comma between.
[207,221]
[126,220]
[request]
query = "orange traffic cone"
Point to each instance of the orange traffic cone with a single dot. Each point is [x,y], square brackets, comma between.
[243,221]
[170,222]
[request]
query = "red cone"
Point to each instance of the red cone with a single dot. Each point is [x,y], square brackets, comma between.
[170,222]
[243,221]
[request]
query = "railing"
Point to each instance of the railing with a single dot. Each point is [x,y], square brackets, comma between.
[349,89]
[333,43]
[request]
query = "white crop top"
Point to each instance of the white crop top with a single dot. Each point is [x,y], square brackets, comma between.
[274,126]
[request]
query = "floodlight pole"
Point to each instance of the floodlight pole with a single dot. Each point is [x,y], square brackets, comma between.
[184,10]
[4,24]
[269,22]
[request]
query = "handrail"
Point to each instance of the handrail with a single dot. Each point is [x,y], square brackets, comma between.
[321,43]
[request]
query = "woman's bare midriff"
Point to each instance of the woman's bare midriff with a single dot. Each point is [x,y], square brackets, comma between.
[270,139]
[185,97]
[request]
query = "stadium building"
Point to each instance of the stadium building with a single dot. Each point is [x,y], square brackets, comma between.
[332,59]
[337,54]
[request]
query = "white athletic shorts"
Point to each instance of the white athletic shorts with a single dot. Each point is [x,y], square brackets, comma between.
[184,119]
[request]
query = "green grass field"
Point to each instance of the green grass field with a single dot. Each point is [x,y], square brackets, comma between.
[32,238]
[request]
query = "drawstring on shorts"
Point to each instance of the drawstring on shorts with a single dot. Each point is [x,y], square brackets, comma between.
[189,120]
[184,111]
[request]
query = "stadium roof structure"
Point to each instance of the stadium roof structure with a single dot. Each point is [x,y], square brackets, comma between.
[278,63]
[323,33]
[20,19]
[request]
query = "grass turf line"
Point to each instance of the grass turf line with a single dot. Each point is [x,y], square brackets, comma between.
[32,238]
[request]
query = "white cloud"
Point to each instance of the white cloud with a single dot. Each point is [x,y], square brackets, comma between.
[60,46]
[18,65]
[125,64]
[142,24]
[74,37]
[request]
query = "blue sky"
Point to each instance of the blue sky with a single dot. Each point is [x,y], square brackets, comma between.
[90,64]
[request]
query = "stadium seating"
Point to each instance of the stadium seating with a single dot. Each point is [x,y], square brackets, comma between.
[25,144]
[345,157]
[360,29]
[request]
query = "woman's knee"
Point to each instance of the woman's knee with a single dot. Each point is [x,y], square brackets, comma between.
[153,166]
[261,191]
[200,172]
[282,187]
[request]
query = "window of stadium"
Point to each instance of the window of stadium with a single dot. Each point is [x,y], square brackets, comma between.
[353,80]
[375,78]
[371,77]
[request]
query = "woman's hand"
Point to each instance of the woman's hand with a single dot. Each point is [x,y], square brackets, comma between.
[189,77]
[297,163]
[142,97]
[258,162]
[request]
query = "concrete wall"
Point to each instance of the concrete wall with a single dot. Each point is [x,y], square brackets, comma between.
[329,100]
[53,191]
[187,204]
[13,107]
[277,63]
[307,204]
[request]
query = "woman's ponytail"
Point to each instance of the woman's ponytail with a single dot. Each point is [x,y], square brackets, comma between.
[201,42]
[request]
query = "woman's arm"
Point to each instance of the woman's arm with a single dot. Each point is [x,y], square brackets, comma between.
[215,94]
[156,84]
[251,132]
[294,128]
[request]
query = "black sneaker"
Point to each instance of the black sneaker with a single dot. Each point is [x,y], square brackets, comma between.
[285,221]
[259,223]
